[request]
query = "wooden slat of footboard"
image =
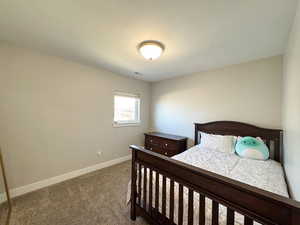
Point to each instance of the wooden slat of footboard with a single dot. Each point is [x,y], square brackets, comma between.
[164,193]
[150,189]
[248,221]
[215,213]
[180,205]
[145,188]
[191,207]
[172,200]
[201,209]
[230,216]
[156,190]
[140,185]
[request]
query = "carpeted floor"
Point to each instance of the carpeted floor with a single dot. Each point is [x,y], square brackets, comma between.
[98,198]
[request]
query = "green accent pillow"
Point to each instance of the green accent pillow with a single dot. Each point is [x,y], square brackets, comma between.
[252,148]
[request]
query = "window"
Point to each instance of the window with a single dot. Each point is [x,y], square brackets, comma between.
[126,109]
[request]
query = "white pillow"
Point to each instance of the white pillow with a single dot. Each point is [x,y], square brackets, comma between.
[218,142]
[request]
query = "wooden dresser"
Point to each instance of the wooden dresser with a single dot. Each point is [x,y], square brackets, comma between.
[166,144]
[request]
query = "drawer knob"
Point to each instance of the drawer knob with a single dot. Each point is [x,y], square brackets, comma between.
[166,144]
[150,140]
[166,153]
[150,148]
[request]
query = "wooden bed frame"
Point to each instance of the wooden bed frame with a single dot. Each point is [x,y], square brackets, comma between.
[255,204]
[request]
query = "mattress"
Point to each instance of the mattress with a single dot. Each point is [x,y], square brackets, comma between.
[267,175]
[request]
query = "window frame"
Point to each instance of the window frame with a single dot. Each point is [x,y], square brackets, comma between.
[138,110]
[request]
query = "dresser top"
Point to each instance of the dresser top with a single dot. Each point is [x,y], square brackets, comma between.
[167,136]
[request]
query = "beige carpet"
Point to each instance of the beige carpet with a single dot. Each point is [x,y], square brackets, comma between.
[98,198]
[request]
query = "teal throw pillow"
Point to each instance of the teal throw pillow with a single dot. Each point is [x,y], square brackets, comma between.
[253,148]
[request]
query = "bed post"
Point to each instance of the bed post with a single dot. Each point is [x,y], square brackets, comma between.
[281,155]
[133,186]
[196,134]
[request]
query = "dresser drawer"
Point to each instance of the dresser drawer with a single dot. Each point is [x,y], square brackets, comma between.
[157,149]
[164,148]
[154,148]
[153,140]
[165,144]
[169,153]
[170,145]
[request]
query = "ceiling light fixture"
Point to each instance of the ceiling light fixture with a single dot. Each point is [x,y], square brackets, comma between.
[151,49]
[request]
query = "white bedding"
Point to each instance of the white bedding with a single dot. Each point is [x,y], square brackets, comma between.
[258,173]
[267,175]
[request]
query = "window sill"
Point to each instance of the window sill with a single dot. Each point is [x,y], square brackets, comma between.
[126,124]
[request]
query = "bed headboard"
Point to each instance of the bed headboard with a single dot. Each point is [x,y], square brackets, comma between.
[272,137]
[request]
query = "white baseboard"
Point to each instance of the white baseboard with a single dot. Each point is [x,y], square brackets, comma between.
[57,179]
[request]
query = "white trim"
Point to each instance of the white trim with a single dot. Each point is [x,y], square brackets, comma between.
[127,94]
[57,179]
[128,124]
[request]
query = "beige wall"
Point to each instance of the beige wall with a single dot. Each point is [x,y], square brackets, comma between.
[249,92]
[291,109]
[56,114]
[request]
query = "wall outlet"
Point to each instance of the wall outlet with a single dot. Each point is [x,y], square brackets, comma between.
[99,153]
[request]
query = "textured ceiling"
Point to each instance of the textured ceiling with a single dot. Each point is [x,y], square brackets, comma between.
[198,34]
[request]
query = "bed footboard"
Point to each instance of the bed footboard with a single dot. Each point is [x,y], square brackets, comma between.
[254,204]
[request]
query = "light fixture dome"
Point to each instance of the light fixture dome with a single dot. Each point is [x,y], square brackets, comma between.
[151,49]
